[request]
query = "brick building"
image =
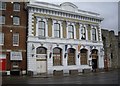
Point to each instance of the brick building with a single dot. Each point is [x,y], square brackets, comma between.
[13,20]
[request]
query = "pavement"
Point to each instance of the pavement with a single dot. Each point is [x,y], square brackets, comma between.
[99,77]
[67,75]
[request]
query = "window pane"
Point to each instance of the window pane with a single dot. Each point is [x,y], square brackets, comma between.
[1,38]
[56,50]
[2,19]
[94,34]
[56,34]
[56,30]
[15,39]
[2,6]
[56,26]
[71,56]
[16,20]
[41,50]
[83,57]
[41,27]
[41,24]
[41,32]
[57,56]
[70,31]
[70,28]
[16,7]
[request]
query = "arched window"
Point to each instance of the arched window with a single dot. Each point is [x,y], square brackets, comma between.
[94,34]
[41,50]
[71,56]
[57,56]
[71,31]
[83,33]
[57,30]
[41,28]
[83,57]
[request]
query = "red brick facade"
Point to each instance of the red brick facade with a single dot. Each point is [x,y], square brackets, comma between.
[9,29]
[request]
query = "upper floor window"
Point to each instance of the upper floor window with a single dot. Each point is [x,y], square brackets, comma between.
[94,34]
[57,30]
[16,20]
[2,19]
[16,6]
[70,31]
[1,38]
[15,39]
[83,33]
[2,6]
[41,28]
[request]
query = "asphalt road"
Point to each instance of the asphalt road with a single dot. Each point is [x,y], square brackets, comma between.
[110,77]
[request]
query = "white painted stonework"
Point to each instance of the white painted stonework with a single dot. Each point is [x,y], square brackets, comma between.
[33,41]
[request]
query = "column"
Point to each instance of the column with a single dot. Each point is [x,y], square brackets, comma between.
[86,32]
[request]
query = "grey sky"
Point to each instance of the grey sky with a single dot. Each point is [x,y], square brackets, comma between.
[107,10]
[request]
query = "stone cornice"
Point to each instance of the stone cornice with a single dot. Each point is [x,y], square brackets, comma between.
[65,19]
[63,13]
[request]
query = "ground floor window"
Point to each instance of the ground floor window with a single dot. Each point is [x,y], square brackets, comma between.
[57,56]
[71,56]
[83,57]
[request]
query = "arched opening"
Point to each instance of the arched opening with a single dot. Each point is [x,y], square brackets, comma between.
[83,57]
[71,56]
[41,50]
[94,54]
[41,60]
[57,56]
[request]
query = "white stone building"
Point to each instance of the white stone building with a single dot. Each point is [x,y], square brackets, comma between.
[63,38]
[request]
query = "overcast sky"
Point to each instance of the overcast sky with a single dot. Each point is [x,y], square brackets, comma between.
[108,9]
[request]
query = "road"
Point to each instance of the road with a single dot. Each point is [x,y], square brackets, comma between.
[110,77]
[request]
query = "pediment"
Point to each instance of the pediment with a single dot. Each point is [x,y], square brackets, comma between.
[69,6]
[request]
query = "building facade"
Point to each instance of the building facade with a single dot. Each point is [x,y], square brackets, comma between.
[110,42]
[13,19]
[63,38]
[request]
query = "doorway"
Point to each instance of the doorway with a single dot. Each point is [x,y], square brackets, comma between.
[41,60]
[94,59]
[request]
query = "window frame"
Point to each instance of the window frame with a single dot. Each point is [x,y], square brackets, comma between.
[2,19]
[57,30]
[84,61]
[15,43]
[71,56]
[16,6]
[41,29]
[57,55]
[14,20]
[71,32]
[3,6]
[94,34]
[2,40]
[41,50]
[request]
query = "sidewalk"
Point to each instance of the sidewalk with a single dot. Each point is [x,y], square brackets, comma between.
[67,75]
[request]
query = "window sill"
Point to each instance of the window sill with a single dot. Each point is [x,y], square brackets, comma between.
[16,24]
[1,44]
[17,10]
[15,45]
